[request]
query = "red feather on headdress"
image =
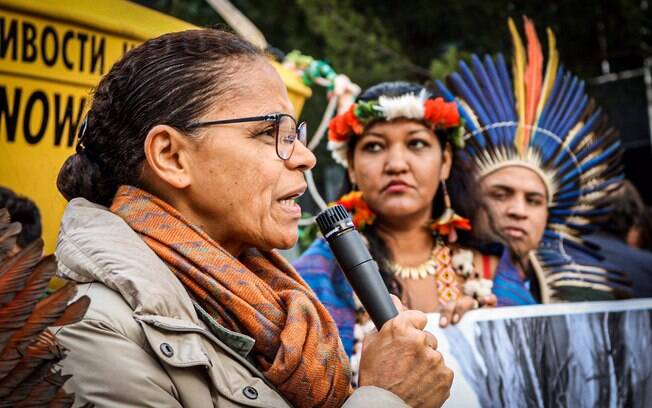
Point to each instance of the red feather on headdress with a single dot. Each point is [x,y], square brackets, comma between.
[533,77]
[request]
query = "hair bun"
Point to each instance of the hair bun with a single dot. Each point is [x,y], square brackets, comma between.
[81,177]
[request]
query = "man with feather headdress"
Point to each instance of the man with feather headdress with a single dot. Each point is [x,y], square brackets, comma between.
[543,157]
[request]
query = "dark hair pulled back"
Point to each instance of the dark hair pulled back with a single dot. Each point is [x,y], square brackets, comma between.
[172,79]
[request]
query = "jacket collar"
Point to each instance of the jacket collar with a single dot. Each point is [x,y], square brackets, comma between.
[96,245]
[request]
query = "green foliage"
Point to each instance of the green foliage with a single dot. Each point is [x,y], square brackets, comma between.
[194,11]
[307,235]
[359,45]
[374,41]
[447,62]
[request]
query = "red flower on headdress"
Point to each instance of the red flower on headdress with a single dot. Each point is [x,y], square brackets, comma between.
[441,114]
[341,126]
[357,206]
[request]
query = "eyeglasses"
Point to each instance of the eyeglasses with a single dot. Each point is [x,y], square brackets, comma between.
[286,130]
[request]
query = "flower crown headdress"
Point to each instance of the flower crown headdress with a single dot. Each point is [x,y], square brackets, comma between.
[439,114]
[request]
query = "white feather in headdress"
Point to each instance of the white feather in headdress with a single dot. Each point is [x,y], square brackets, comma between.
[408,106]
[339,152]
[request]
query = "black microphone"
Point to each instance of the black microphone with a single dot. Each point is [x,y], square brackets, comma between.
[356,262]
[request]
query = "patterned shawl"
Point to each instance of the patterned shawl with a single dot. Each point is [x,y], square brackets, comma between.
[297,345]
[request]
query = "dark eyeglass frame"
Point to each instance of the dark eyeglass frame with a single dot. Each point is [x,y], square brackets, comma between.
[300,128]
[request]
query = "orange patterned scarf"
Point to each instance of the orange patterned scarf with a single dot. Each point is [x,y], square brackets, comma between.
[297,344]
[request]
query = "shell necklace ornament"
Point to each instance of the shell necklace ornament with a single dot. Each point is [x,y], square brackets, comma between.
[440,265]
[424,270]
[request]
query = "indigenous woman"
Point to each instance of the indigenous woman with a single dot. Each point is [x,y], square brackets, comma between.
[397,144]
[544,160]
[184,182]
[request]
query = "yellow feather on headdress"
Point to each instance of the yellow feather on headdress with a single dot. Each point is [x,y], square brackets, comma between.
[551,73]
[519,80]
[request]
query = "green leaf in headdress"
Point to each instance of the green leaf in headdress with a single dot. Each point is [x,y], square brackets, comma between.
[456,136]
[366,111]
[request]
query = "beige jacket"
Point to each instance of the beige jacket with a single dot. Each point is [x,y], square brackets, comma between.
[141,343]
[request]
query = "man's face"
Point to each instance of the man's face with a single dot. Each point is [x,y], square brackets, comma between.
[515,208]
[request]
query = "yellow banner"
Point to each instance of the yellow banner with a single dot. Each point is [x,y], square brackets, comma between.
[47,69]
[56,52]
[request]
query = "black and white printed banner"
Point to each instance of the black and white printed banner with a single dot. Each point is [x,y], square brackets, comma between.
[590,354]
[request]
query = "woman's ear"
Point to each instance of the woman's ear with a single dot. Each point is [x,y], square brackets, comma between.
[446,162]
[167,154]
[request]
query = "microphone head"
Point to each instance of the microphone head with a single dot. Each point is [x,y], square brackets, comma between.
[334,220]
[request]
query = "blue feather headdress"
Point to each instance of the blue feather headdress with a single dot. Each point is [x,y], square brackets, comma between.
[548,124]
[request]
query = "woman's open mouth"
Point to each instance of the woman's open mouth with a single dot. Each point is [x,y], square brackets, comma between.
[289,204]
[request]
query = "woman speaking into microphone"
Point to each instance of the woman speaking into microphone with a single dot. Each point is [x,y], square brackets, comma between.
[184,182]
